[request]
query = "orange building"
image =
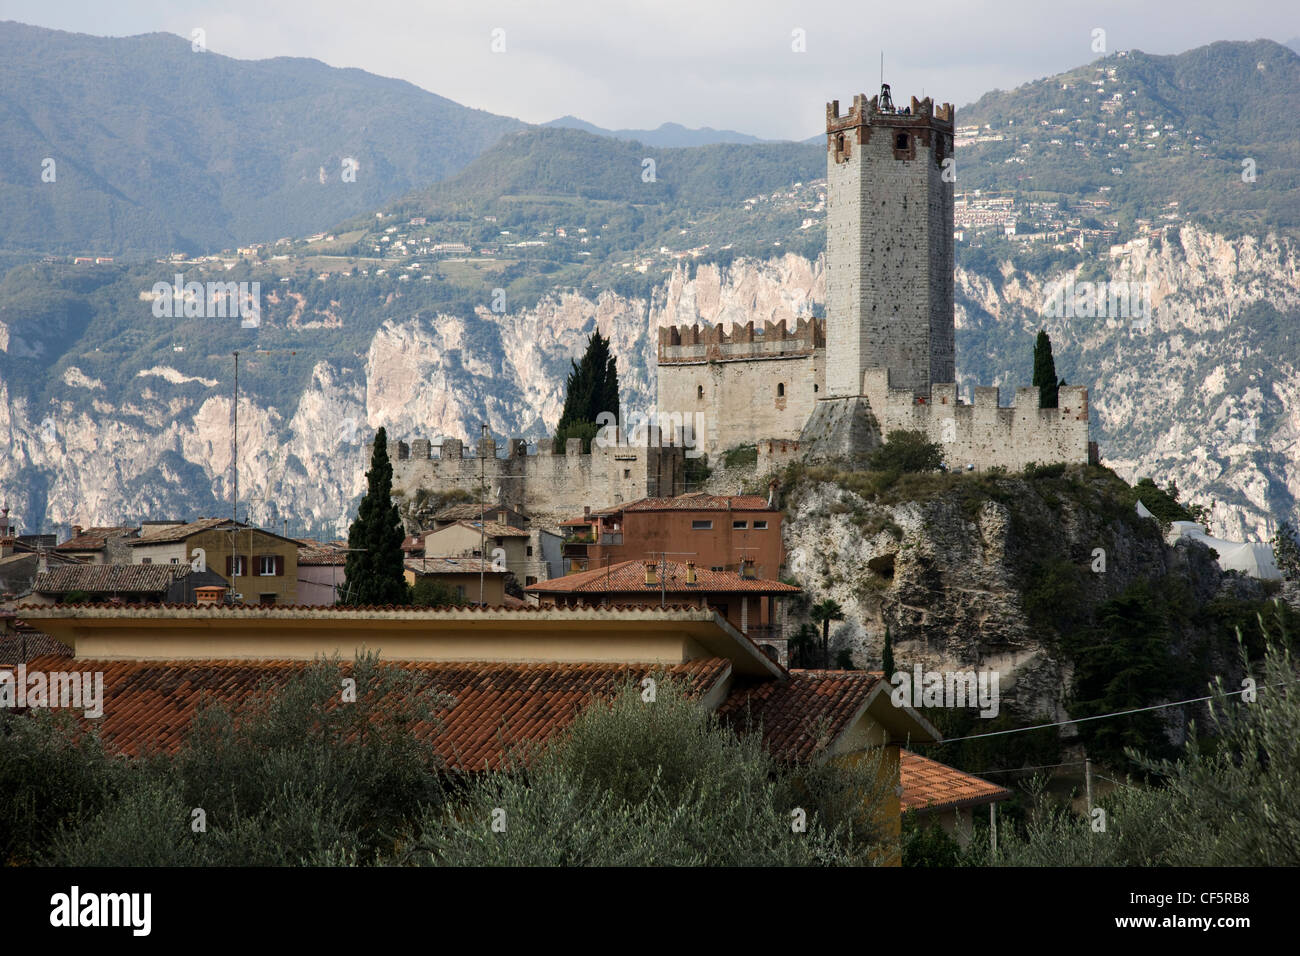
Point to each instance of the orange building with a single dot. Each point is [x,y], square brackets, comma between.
[750,604]
[715,532]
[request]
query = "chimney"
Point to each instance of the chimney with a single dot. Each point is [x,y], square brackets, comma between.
[76,531]
[209,594]
[746,569]
[690,572]
[650,573]
[6,547]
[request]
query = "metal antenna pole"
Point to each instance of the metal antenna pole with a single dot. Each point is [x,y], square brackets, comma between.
[234,508]
[482,528]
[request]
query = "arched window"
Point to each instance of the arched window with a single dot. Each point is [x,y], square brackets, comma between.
[816,388]
[900,141]
[780,389]
[699,391]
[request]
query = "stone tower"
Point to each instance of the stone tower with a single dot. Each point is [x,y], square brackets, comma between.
[889,244]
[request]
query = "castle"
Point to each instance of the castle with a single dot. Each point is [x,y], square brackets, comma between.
[548,483]
[882,360]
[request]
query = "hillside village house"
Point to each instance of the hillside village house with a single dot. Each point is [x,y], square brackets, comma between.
[514,676]
[21,562]
[720,532]
[121,583]
[471,580]
[109,545]
[526,554]
[473,511]
[321,577]
[750,604]
[260,566]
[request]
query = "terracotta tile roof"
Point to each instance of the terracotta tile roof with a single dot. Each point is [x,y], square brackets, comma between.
[148,705]
[494,529]
[628,577]
[109,578]
[700,501]
[800,716]
[93,539]
[318,555]
[33,642]
[451,565]
[413,542]
[173,533]
[472,511]
[179,532]
[930,785]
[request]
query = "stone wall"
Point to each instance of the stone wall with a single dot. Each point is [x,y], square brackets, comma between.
[986,434]
[742,384]
[548,484]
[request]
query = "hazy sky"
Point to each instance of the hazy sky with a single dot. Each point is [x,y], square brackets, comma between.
[698,62]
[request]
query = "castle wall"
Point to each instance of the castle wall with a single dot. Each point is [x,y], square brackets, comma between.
[548,487]
[743,384]
[986,434]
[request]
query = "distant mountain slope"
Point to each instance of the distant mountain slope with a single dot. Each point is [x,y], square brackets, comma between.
[665,135]
[565,162]
[1151,130]
[157,147]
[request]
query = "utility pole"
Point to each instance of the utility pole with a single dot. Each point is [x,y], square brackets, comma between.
[234,457]
[1087,783]
[482,506]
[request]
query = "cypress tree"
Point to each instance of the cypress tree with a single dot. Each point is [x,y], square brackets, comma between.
[374,565]
[1045,371]
[887,656]
[592,388]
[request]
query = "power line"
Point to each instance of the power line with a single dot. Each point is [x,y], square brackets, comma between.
[1118,713]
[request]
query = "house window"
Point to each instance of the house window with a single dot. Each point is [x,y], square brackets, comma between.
[760,525]
[146,560]
[717,567]
[530,579]
[627,472]
[702,525]
[530,551]
[176,560]
[236,566]
[266,599]
[780,389]
[268,565]
[460,592]
[739,525]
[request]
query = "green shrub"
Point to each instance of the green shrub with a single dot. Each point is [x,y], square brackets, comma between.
[907,451]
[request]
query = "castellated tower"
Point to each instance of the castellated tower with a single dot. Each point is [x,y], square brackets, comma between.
[889,244]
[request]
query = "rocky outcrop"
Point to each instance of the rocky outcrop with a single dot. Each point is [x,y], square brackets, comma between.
[952,569]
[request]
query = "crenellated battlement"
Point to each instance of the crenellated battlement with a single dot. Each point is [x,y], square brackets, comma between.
[867,111]
[711,343]
[984,433]
[547,481]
